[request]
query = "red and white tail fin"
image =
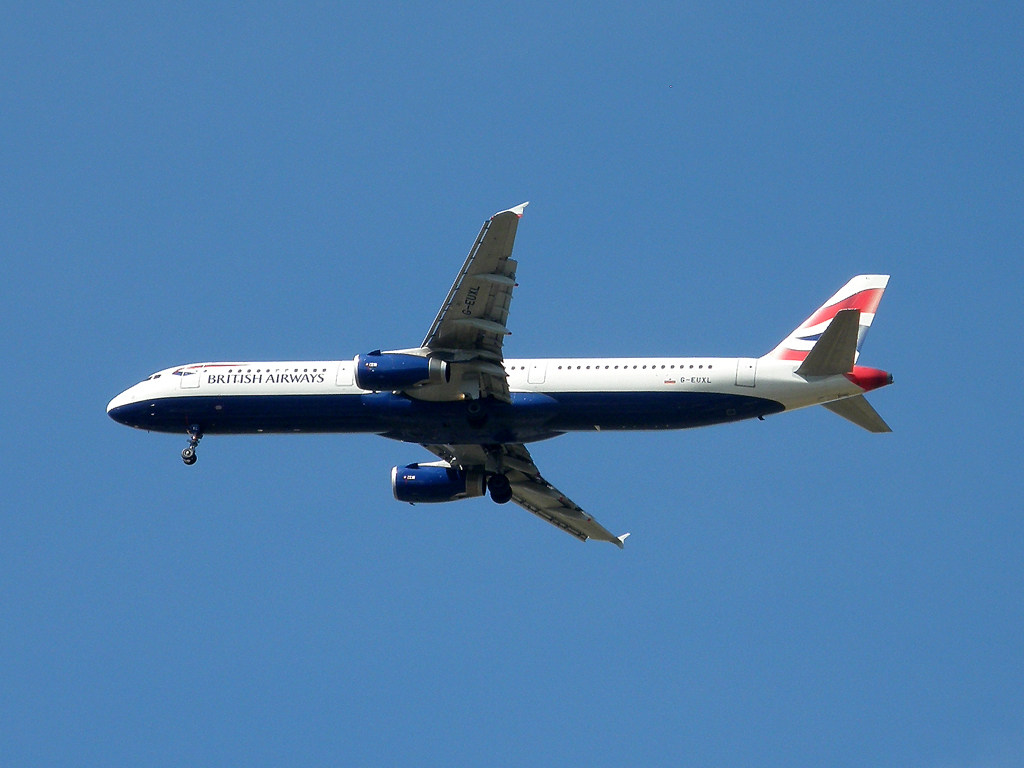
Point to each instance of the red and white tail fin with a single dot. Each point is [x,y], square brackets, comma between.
[862,292]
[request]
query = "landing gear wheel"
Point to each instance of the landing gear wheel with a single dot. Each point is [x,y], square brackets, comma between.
[500,488]
[188,455]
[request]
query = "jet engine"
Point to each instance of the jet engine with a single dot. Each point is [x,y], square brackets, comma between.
[431,483]
[379,372]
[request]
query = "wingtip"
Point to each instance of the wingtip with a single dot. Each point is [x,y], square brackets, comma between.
[622,540]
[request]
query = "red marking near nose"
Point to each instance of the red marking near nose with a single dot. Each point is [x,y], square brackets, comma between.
[869,378]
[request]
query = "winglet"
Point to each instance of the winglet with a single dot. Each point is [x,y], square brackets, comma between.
[518,210]
[620,541]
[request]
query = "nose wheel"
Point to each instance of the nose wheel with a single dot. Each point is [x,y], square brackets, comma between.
[188,455]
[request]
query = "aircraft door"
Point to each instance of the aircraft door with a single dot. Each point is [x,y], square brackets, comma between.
[188,378]
[746,372]
[537,372]
[346,375]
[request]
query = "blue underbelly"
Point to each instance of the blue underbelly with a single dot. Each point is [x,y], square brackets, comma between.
[655,410]
[530,416]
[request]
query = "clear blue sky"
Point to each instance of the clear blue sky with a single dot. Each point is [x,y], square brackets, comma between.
[213,181]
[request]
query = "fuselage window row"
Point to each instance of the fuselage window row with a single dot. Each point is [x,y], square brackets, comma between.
[625,367]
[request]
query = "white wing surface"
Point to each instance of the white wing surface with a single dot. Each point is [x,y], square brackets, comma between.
[529,489]
[471,325]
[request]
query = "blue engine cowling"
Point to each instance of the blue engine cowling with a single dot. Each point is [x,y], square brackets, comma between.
[432,483]
[381,372]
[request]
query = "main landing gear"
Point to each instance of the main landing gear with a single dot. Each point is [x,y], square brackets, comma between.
[500,488]
[188,455]
[476,414]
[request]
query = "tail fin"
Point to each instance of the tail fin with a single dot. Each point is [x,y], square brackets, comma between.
[862,292]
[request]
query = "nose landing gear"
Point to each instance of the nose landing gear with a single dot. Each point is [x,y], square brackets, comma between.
[188,455]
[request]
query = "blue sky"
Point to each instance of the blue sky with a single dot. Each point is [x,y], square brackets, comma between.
[209,182]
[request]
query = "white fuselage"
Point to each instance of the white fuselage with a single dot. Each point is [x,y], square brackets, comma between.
[553,395]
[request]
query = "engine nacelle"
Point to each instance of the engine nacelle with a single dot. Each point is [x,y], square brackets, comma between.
[381,372]
[432,483]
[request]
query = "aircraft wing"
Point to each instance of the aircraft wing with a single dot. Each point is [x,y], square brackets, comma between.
[471,323]
[529,489]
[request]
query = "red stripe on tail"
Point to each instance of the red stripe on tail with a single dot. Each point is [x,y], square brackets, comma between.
[865,301]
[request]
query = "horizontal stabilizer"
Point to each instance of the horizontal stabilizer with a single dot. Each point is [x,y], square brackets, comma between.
[836,351]
[858,410]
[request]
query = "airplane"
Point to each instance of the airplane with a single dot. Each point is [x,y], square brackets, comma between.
[461,399]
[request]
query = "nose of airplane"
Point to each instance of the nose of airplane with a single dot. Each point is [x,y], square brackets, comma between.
[118,407]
